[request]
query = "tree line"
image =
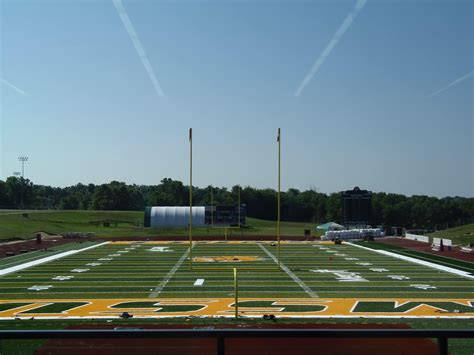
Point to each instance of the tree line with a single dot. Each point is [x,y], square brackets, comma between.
[423,212]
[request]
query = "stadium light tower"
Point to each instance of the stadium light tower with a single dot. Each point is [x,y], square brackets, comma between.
[22,159]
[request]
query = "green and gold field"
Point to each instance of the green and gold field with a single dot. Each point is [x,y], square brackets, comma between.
[157,278]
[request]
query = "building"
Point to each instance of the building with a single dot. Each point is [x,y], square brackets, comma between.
[202,216]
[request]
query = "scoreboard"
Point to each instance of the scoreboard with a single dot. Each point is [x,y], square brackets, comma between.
[356,207]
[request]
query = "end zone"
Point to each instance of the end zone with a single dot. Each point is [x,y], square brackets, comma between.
[248,307]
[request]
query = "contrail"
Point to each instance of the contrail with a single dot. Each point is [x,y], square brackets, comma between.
[18,90]
[138,45]
[458,80]
[335,39]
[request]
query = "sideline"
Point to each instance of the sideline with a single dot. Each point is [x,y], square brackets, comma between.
[16,268]
[417,261]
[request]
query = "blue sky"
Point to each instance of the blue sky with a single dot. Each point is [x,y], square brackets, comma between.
[85,109]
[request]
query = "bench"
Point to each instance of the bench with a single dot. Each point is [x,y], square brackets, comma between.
[435,247]
[466,250]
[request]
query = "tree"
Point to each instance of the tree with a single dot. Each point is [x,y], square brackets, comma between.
[387,208]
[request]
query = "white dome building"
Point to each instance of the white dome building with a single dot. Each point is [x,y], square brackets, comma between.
[174,216]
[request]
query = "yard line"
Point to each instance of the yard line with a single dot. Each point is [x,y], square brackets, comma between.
[290,273]
[169,275]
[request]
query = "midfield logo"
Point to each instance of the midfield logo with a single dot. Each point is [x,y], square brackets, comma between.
[248,307]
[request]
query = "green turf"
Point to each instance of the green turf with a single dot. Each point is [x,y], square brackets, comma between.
[123,224]
[462,235]
[137,273]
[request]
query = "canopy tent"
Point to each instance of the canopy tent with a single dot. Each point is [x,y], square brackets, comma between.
[330,226]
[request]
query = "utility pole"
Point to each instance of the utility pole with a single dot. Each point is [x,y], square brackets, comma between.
[22,159]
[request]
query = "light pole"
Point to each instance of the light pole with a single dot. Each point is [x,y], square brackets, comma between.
[22,159]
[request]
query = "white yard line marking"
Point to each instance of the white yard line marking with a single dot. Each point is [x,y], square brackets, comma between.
[290,273]
[199,282]
[160,249]
[423,287]
[169,275]
[398,277]
[40,288]
[45,260]
[80,270]
[62,278]
[381,269]
[418,261]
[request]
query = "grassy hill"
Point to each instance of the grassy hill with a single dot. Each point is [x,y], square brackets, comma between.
[459,235]
[122,224]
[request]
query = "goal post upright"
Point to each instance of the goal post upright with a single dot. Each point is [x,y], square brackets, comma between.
[278,203]
[190,198]
[236,294]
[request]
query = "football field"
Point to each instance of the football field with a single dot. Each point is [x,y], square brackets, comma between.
[153,279]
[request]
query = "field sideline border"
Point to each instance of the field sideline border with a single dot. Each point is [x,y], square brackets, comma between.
[36,262]
[417,261]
